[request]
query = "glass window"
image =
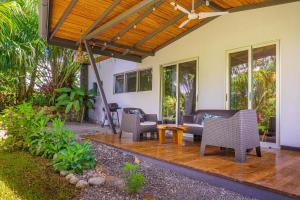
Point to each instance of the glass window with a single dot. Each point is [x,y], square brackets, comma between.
[95,89]
[119,83]
[131,81]
[145,80]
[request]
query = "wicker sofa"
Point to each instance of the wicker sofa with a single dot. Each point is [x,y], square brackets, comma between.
[194,122]
[138,123]
[239,132]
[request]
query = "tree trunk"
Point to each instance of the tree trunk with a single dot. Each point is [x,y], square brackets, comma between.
[22,84]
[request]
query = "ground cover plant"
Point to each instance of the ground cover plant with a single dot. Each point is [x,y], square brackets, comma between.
[135,180]
[27,130]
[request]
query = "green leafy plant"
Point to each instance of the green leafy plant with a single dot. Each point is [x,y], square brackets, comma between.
[47,141]
[75,99]
[135,180]
[75,158]
[18,121]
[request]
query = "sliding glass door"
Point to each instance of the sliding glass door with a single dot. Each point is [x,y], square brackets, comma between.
[253,84]
[178,90]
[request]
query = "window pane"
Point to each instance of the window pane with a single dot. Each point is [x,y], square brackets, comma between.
[238,63]
[264,91]
[95,89]
[131,82]
[145,80]
[119,83]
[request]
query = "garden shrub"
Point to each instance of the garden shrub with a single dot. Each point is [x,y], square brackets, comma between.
[75,158]
[18,121]
[135,180]
[28,130]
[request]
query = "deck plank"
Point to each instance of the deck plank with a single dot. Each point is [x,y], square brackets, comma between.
[276,170]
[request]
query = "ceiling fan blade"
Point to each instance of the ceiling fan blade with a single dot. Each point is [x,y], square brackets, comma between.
[179,7]
[184,23]
[210,14]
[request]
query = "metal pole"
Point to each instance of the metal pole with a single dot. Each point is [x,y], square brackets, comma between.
[92,61]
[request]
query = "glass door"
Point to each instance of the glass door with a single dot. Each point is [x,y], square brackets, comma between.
[169,93]
[264,90]
[178,90]
[186,88]
[253,85]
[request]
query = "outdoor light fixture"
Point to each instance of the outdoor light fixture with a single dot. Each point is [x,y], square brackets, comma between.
[79,55]
[207,2]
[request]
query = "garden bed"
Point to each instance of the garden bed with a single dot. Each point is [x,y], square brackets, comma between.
[161,183]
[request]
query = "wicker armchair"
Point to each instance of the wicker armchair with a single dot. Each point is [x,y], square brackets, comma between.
[240,132]
[133,123]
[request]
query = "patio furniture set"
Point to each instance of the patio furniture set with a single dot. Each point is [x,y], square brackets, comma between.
[230,129]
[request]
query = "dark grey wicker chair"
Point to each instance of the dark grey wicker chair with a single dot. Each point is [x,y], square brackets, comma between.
[193,121]
[132,123]
[239,132]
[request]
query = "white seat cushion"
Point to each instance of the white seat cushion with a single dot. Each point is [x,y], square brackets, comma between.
[193,125]
[147,123]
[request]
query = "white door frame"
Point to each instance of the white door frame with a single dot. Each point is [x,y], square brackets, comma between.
[176,63]
[250,66]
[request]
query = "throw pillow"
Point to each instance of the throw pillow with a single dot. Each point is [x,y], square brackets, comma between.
[137,112]
[206,117]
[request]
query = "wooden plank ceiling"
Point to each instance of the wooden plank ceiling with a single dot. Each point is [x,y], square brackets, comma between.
[130,29]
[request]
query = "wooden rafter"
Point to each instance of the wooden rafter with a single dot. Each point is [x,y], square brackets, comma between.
[120,18]
[136,21]
[164,26]
[63,17]
[100,19]
[125,47]
[72,45]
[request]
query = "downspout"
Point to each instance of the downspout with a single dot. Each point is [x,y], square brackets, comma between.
[44,11]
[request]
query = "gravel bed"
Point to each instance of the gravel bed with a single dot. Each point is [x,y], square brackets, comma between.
[161,183]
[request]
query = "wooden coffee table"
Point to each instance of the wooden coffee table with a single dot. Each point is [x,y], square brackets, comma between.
[177,132]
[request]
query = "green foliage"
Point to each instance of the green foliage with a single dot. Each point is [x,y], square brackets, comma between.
[28,130]
[75,158]
[47,141]
[74,98]
[19,121]
[135,180]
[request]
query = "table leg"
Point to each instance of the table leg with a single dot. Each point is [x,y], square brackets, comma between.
[175,137]
[162,135]
[180,137]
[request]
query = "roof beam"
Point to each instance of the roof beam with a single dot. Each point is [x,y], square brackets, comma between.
[63,17]
[120,18]
[164,26]
[72,45]
[129,48]
[136,21]
[100,18]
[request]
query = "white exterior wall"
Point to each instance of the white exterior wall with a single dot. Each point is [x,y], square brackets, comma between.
[209,43]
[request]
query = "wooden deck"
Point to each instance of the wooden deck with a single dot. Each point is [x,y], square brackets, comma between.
[276,170]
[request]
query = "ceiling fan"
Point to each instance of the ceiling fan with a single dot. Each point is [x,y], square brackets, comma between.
[193,15]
